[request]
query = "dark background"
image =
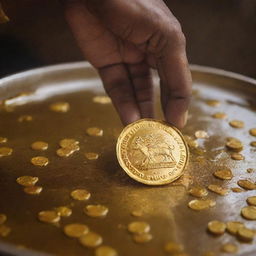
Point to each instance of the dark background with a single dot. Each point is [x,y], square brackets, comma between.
[219,34]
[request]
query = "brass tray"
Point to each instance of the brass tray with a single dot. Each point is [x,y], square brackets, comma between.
[164,207]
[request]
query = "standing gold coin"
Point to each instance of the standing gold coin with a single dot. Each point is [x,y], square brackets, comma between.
[152,152]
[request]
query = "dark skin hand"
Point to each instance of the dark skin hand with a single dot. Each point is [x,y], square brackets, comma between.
[123,40]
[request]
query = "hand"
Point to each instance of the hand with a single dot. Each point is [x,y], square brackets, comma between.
[123,40]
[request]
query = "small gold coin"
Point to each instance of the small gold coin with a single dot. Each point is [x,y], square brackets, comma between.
[63,211]
[4,231]
[91,156]
[250,170]
[213,103]
[101,99]
[152,152]
[142,238]
[237,190]
[105,251]
[198,191]
[229,248]
[234,144]
[60,107]
[251,200]
[219,115]
[80,194]
[138,227]
[172,247]
[218,189]
[236,124]
[33,190]
[233,226]
[237,156]
[216,227]
[97,210]
[25,118]
[3,218]
[91,239]
[201,134]
[246,184]
[137,213]
[5,151]
[223,174]
[48,216]
[253,131]
[253,143]
[245,234]
[67,142]
[27,181]
[3,140]
[40,161]
[249,212]
[75,230]
[201,204]
[94,131]
[39,145]
[193,144]
[64,152]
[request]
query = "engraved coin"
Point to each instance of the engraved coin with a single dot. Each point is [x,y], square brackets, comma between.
[39,145]
[75,230]
[97,210]
[233,226]
[105,251]
[40,161]
[216,227]
[152,152]
[80,194]
[27,181]
[91,239]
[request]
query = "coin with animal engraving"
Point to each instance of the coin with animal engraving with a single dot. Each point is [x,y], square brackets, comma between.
[152,152]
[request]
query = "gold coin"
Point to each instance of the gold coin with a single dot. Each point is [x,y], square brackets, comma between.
[218,189]
[172,247]
[142,238]
[233,226]
[60,107]
[223,174]
[213,103]
[216,227]
[200,134]
[253,143]
[3,140]
[63,211]
[80,194]
[64,152]
[27,181]
[237,190]
[201,204]
[40,161]
[75,230]
[236,124]
[48,216]
[234,144]
[251,200]
[33,190]
[91,239]
[219,115]
[39,145]
[97,210]
[105,251]
[94,131]
[246,184]
[5,151]
[101,99]
[198,191]
[193,144]
[91,156]
[245,234]
[137,213]
[138,227]
[4,231]
[65,143]
[250,170]
[253,131]
[229,248]
[25,118]
[152,152]
[249,212]
[3,218]
[237,156]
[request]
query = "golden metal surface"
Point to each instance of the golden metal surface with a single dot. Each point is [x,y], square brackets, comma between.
[164,207]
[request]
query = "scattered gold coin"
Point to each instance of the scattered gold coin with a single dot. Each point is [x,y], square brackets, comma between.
[5,151]
[48,216]
[4,231]
[213,103]
[60,107]
[201,204]
[27,181]
[33,190]
[237,190]
[3,218]
[245,234]
[40,161]
[97,210]
[246,184]
[253,143]
[101,99]
[237,156]
[229,248]
[91,156]
[3,140]
[67,142]
[218,189]
[234,144]
[80,194]
[94,131]
[198,191]
[138,227]
[25,118]
[105,251]
[191,142]
[219,115]
[91,239]
[249,212]
[223,174]
[137,213]
[250,170]
[75,230]
[216,227]
[236,124]
[201,134]
[172,247]
[64,152]
[251,200]
[233,226]
[142,238]
[39,145]
[253,131]
[63,211]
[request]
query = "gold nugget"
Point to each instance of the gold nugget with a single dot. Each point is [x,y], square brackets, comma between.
[218,189]
[40,161]
[237,156]
[246,184]
[3,140]
[198,191]
[91,156]
[223,174]
[4,231]
[91,239]
[216,227]
[94,131]
[101,99]
[5,151]
[253,131]
[27,181]
[251,200]
[142,238]
[48,216]
[236,124]
[173,248]
[60,107]
[233,226]
[245,234]
[3,218]
[80,194]
[219,115]
[249,212]
[138,227]
[75,230]
[33,190]
[229,248]
[39,145]
[96,210]
[63,211]
[201,204]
